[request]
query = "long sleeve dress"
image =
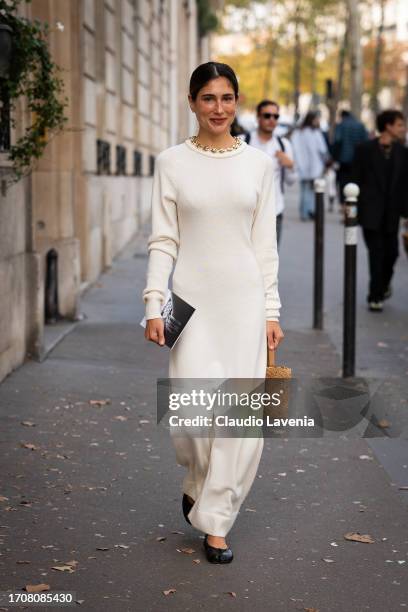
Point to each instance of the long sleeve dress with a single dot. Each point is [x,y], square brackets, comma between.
[213,216]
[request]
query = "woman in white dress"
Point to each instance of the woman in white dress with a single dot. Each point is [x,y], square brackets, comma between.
[213,214]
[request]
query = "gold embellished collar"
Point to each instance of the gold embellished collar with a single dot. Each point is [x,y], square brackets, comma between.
[196,143]
[212,152]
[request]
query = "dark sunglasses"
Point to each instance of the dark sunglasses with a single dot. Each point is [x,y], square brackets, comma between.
[270,115]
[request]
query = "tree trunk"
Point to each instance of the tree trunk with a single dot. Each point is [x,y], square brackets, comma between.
[356,58]
[296,64]
[340,67]
[377,62]
[338,89]
[405,100]
[313,75]
[270,63]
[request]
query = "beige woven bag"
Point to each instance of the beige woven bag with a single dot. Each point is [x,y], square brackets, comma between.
[277,372]
[274,371]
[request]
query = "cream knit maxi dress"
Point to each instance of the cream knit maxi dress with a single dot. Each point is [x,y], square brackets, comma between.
[214,215]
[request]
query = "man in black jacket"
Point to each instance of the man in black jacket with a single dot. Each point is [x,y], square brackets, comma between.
[380,169]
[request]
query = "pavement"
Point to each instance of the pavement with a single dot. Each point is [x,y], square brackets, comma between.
[90,484]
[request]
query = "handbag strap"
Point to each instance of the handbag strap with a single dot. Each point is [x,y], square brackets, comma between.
[271,356]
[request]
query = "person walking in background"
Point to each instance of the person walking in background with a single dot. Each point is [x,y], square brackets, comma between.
[380,169]
[348,134]
[279,149]
[311,155]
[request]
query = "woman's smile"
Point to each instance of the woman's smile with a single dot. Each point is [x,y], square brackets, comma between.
[218,120]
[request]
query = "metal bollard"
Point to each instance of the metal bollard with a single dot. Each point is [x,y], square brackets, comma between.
[319,187]
[351,192]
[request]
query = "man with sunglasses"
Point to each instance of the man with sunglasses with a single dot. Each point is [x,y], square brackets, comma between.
[279,149]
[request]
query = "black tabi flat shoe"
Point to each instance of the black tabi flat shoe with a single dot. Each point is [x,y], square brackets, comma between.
[186,505]
[217,555]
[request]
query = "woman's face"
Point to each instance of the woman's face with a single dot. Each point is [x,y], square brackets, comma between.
[215,106]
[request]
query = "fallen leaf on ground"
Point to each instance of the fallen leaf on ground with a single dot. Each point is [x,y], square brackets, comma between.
[63,568]
[2,498]
[357,537]
[101,548]
[120,418]
[232,593]
[161,539]
[99,402]
[383,423]
[311,610]
[169,591]
[196,560]
[188,551]
[29,446]
[37,588]
[28,423]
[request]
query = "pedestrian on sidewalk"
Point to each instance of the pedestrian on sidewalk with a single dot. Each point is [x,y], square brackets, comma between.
[348,134]
[311,156]
[279,149]
[213,212]
[380,169]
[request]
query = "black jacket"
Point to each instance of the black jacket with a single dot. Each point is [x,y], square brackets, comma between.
[380,204]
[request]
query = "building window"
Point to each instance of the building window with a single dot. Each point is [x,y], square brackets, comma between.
[103,157]
[137,163]
[151,164]
[4,123]
[120,159]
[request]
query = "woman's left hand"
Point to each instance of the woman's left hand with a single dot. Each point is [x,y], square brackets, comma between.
[274,333]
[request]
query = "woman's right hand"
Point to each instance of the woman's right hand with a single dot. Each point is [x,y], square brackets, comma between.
[155,331]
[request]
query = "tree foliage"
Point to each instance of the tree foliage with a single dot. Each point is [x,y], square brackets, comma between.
[269,68]
[34,76]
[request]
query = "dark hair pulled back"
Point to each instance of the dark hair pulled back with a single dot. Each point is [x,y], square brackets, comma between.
[208,71]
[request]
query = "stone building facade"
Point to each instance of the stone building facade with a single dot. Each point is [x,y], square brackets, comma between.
[126,69]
